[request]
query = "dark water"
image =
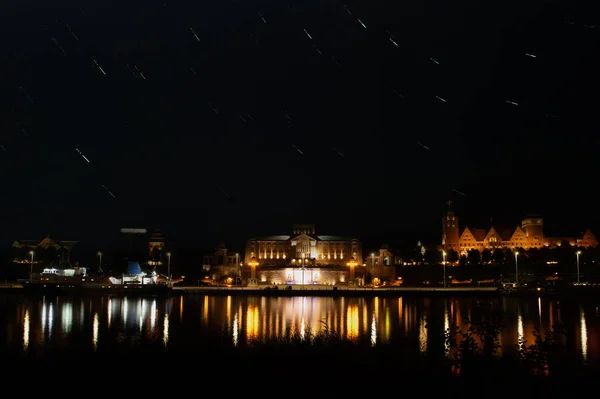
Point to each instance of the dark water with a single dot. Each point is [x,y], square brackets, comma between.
[103,324]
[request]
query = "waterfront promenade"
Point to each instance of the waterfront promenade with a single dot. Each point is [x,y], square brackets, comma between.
[327,290]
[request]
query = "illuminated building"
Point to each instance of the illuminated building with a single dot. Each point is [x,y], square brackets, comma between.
[304,257]
[529,234]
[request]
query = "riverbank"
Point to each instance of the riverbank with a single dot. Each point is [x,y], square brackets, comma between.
[300,290]
[340,291]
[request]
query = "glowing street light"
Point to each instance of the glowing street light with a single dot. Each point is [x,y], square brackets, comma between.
[578,253]
[253,263]
[31,266]
[517,266]
[444,264]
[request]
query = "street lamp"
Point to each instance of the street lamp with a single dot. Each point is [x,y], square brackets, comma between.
[253,263]
[372,265]
[100,261]
[517,267]
[169,269]
[578,253]
[237,264]
[31,266]
[444,264]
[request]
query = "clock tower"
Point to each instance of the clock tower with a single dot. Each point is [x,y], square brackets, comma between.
[450,230]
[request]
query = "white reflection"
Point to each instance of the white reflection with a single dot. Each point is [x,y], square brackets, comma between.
[235,329]
[50,319]
[125,312]
[26,329]
[110,310]
[584,336]
[141,311]
[67,317]
[153,316]
[302,328]
[373,330]
[446,330]
[95,331]
[166,329]
[520,334]
[423,334]
[44,318]
[540,309]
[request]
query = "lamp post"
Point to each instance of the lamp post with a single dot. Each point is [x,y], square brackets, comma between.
[517,266]
[444,264]
[169,269]
[31,267]
[372,264]
[578,253]
[100,261]
[237,264]
[253,263]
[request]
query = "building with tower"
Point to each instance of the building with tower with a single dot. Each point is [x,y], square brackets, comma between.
[303,257]
[528,234]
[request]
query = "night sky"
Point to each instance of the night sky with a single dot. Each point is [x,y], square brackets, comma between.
[223,120]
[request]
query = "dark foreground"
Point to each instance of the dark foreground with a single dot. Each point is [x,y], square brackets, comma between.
[284,373]
[322,366]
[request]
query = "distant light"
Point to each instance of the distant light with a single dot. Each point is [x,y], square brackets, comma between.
[133,231]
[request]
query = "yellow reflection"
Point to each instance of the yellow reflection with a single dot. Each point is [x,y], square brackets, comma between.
[540,310]
[373,330]
[252,322]
[584,335]
[26,330]
[205,310]
[364,317]
[153,316]
[388,324]
[228,308]
[302,328]
[95,331]
[423,334]
[400,308]
[181,307]
[352,321]
[166,329]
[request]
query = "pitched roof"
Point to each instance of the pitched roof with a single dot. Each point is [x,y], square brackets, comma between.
[479,234]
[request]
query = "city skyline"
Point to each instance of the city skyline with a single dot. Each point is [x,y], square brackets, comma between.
[238,239]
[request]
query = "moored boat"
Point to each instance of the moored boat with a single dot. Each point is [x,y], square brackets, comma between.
[76,280]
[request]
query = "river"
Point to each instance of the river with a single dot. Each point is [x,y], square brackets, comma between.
[102,323]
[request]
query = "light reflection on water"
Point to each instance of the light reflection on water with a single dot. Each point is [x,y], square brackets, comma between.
[422,320]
